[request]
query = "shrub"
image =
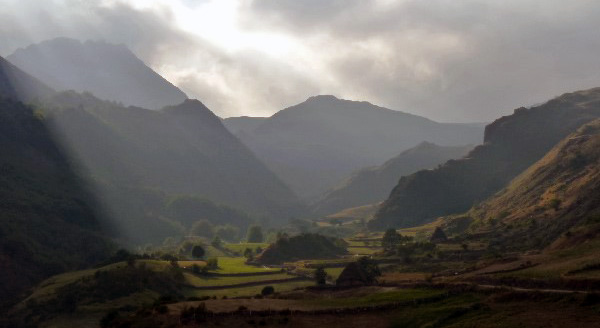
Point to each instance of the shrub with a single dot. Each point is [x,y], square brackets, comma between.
[320,276]
[267,290]
[212,264]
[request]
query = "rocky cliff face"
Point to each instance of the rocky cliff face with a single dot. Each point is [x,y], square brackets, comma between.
[512,144]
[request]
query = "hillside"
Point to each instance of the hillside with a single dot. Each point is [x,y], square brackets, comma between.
[315,144]
[48,221]
[138,158]
[557,193]
[374,184]
[109,71]
[302,247]
[17,84]
[243,124]
[512,144]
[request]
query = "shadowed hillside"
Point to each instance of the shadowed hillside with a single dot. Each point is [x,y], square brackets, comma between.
[373,184]
[320,141]
[512,143]
[111,72]
[16,84]
[48,223]
[138,158]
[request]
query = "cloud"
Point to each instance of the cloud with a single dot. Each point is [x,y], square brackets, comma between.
[448,60]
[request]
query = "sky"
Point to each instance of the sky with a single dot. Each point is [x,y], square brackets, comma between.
[448,60]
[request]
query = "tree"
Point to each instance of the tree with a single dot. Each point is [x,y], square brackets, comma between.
[227,232]
[255,234]
[212,263]
[217,242]
[370,267]
[438,236]
[248,254]
[198,251]
[267,290]
[202,228]
[320,276]
[391,239]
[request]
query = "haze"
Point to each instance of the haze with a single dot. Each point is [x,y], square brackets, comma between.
[467,61]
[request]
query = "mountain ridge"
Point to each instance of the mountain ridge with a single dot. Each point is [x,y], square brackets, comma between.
[374,184]
[511,144]
[111,72]
[314,144]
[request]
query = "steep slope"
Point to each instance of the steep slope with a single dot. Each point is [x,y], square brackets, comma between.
[48,223]
[373,184]
[557,193]
[512,143]
[17,84]
[243,124]
[183,149]
[111,72]
[315,144]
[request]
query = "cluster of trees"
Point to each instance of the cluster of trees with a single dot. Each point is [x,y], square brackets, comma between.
[392,239]
[303,246]
[204,228]
[228,232]
[405,246]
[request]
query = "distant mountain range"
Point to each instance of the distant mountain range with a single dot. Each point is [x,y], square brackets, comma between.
[374,184]
[322,140]
[512,144]
[110,72]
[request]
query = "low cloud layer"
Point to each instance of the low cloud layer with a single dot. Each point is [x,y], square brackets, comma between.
[447,60]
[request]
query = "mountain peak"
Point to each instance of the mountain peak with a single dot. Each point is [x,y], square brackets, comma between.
[322,98]
[109,71]
[194,109]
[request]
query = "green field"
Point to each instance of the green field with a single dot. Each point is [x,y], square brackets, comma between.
[248,291]
[363,250]
[238,265]
[199,281]
[334,272]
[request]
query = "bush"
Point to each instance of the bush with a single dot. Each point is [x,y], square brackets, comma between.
[255,234]
[267,290]
[320,276]
[198,251]
[212,264]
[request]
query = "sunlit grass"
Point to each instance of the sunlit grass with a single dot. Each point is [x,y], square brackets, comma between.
[238,265]
[199,281]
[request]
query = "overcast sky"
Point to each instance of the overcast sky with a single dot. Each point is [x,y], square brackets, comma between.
[448,60]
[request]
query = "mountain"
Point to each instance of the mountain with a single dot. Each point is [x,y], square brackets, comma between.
[48,220]
[137,159]
[373,184]
[243,124]
[557,194]
[512,144]
[16,84]
[318,142]
[109,71]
